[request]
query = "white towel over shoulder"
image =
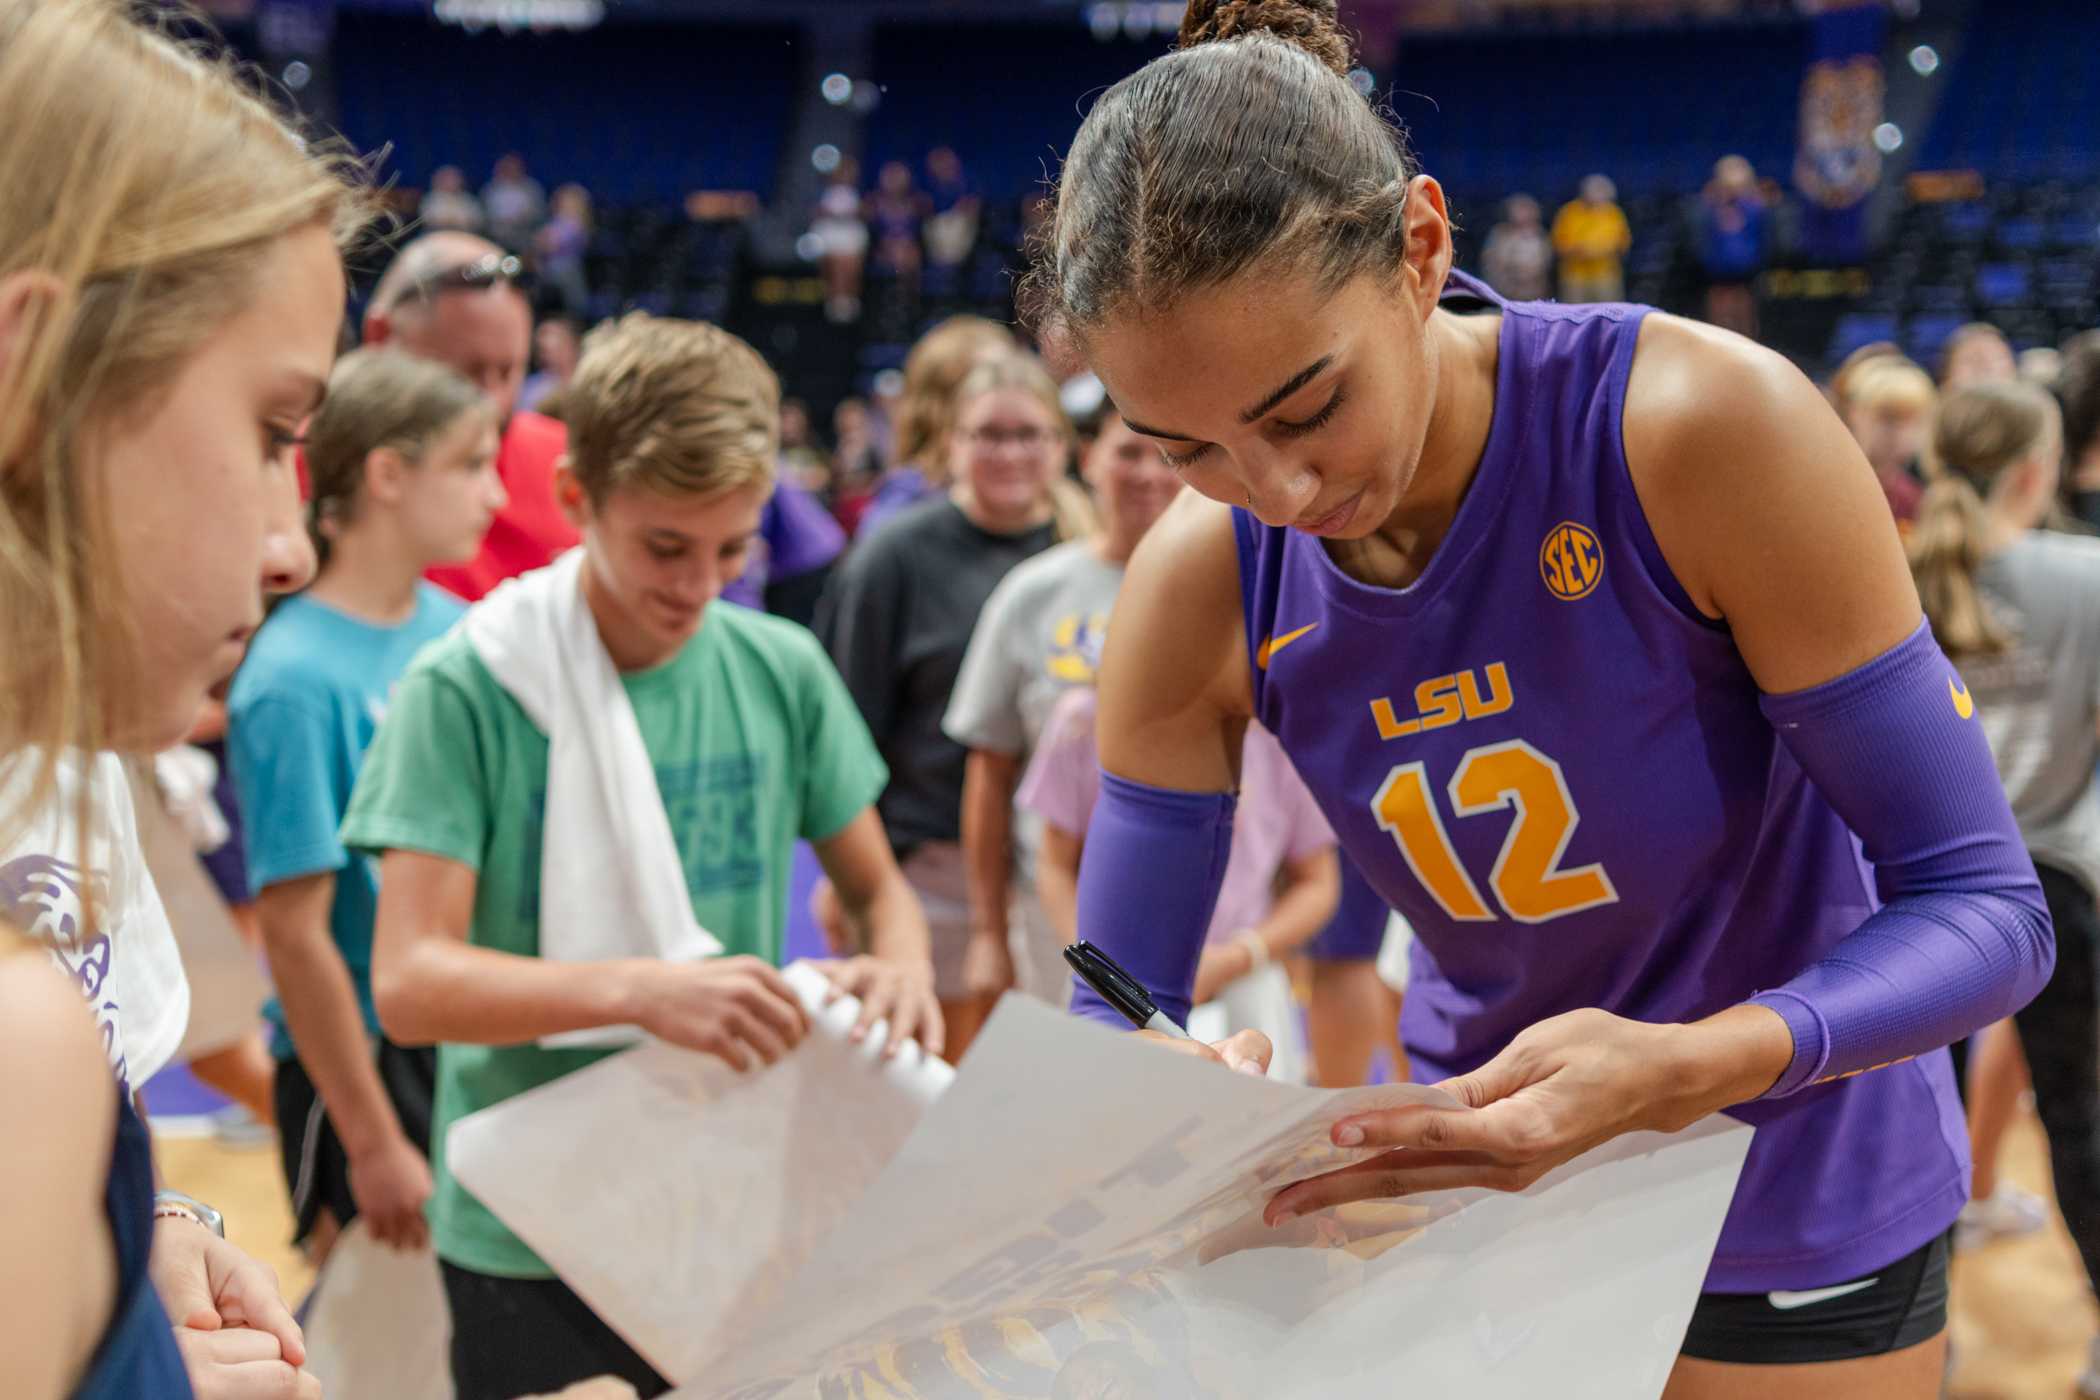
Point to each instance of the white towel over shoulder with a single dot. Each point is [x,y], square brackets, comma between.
[612,882]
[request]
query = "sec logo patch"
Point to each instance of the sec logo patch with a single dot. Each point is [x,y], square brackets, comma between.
[1571,561]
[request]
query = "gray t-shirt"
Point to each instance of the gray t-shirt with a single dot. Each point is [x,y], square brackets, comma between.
[1038,636]
[2039,702]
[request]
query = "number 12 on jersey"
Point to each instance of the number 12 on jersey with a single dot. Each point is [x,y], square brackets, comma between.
[1527,879]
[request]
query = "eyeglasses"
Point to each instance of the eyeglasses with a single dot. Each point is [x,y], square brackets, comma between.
[479,275]
[992,439]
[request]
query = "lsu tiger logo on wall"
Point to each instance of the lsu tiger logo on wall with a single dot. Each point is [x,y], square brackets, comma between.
[1571,561]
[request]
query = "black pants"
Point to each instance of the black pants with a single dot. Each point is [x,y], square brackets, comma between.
[2060,1031]
[513,1337]
[315,1166]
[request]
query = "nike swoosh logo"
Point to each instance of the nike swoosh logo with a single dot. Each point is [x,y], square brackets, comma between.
[1787,1302]
[1963,705]
[1276,644]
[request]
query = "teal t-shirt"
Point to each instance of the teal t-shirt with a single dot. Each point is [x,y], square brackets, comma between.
[301,714]
[755,743]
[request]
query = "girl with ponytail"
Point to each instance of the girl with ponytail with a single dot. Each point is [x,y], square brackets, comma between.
[402,459]
[2018,608]
[1991,446]
[1591,633]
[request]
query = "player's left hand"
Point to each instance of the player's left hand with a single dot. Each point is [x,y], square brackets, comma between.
[206,1283]
[897,990]
[1560,1088]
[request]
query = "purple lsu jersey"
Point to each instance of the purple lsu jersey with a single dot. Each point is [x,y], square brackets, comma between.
[1556,768]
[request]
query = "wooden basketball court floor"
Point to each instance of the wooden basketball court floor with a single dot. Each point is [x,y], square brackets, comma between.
[2022,1313]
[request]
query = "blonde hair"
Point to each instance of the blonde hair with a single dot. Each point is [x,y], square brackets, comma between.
[1890,381]
[1982,430]
[933,371]
[144,181]
[680,407]
[1070,504]
[1849,368]
[376,398]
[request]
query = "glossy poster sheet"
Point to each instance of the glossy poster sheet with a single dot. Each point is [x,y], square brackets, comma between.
[1077,1215]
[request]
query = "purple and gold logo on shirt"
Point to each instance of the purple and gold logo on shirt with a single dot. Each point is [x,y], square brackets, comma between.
[1075,647]
[1571,561]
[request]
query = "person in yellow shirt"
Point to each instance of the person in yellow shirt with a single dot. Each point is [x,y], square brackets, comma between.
[1591,237]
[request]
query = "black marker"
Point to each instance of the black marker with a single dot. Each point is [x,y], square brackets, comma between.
[1119,989]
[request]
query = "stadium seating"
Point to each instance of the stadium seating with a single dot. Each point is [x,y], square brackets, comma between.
[2024,65]
[634,111]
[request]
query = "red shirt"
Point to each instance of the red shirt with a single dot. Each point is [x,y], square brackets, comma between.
[1905,496]
[530,530]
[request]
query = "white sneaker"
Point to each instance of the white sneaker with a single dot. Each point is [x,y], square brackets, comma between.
[2005,1214]
[234,1126]
[2089,1383]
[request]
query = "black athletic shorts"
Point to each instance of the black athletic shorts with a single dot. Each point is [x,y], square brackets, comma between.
[1887,1310]
[315,1167]
[532,1336]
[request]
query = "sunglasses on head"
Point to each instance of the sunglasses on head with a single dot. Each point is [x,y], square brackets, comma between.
[479,275]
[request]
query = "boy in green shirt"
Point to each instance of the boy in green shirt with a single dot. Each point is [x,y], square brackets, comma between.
[754,742]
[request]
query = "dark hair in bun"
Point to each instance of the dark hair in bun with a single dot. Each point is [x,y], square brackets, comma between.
[1314,26]
[1246,144]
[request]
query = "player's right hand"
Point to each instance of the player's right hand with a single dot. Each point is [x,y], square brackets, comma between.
[1245,1051]
[390,1184]
[740,1010]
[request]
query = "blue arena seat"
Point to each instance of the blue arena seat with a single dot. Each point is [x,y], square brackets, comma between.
[616,108]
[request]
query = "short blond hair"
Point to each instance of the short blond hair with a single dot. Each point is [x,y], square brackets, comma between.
[1891,383]
[680,407]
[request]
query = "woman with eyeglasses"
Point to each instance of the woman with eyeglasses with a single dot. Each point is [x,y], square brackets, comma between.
[899,618]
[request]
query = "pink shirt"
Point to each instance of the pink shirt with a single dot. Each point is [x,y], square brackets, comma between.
[1277,819]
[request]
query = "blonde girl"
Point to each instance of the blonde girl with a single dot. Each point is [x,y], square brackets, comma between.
[171,287]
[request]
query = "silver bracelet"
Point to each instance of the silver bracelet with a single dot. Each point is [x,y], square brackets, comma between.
[170,1204]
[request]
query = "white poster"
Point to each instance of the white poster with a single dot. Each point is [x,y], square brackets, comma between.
[1079,1215]
[377,1326]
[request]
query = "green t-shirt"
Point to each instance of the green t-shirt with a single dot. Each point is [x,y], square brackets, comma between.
[755,743]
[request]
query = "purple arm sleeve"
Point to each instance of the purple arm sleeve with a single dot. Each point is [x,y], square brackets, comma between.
[1148,879]
[1963,937]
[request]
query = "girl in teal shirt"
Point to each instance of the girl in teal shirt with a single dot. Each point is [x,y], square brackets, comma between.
[402,461]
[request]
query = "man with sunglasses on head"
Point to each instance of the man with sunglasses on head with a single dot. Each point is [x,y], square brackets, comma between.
[456,298]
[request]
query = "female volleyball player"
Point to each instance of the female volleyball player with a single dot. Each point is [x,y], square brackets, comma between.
[1590,632]
[170,293]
